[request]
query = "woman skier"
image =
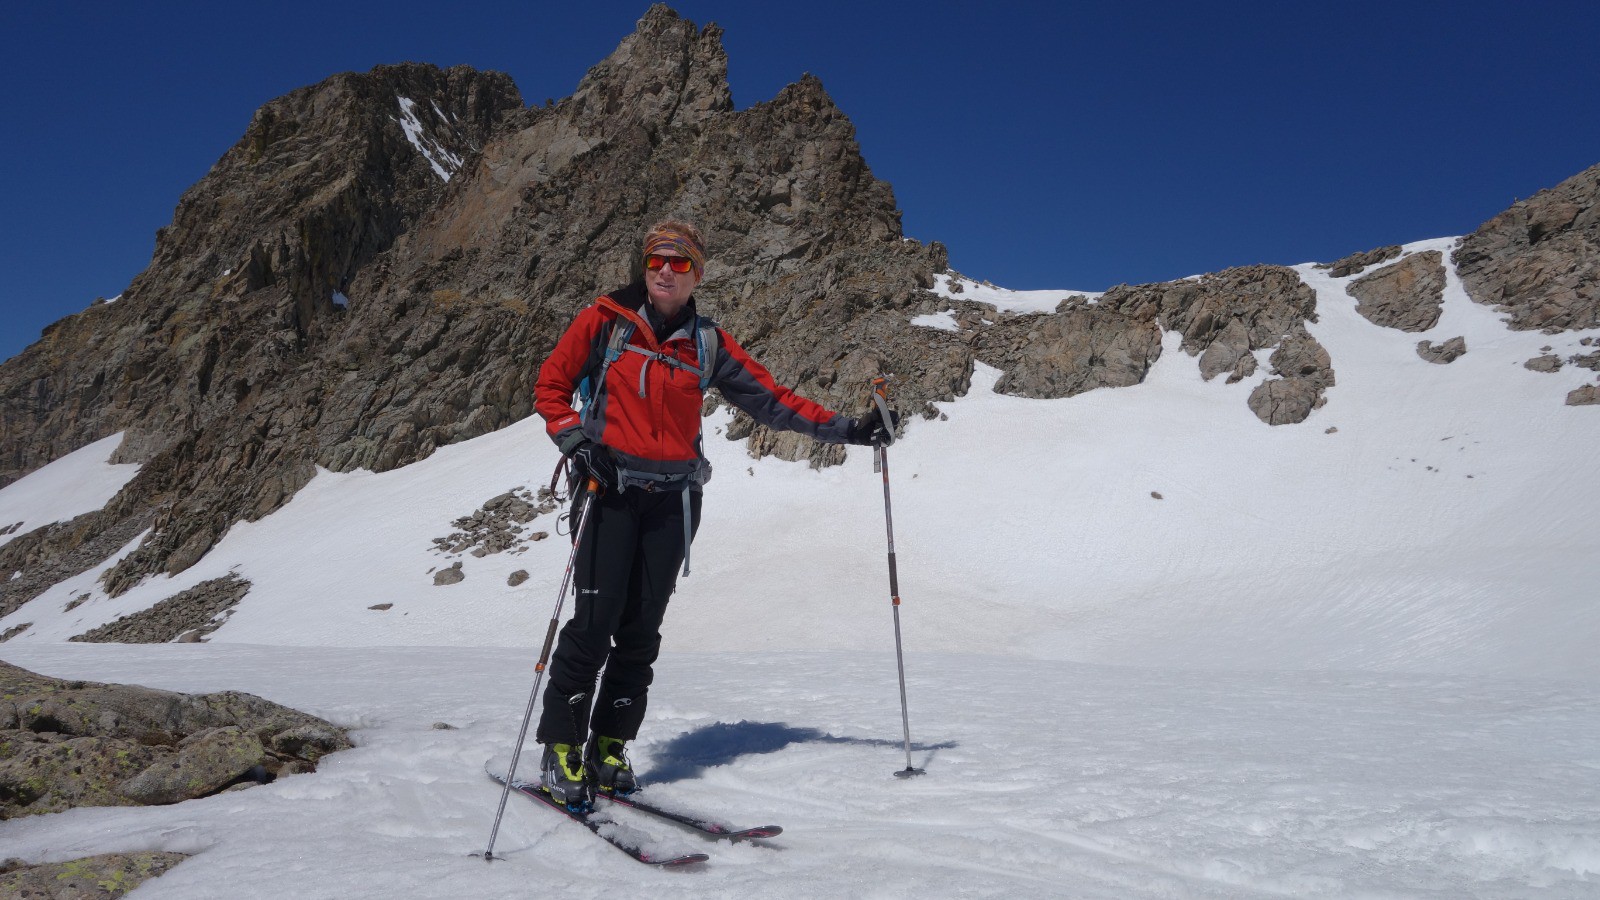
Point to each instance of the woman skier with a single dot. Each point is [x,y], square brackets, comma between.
[642,357]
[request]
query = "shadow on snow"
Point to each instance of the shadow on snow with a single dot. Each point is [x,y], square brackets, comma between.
[689,754]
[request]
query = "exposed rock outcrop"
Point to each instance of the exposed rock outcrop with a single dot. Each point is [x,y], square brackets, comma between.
[1304,373]
[1408,295]
[1539,261]
[1227,316]
[101,877]
[1229,352]
[1070,352]
[48,555]
[1355,263]
[198,359]
[1443,353]
[241,283]
[1224,318]
[188,616]
[1264,302]
[72,743]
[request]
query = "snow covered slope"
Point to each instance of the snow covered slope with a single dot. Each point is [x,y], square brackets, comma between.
[82,481]
[1156,648]
[1430,518]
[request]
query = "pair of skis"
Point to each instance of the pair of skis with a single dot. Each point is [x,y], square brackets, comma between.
[630,840]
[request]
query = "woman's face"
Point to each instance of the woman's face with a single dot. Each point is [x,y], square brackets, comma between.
[669,290]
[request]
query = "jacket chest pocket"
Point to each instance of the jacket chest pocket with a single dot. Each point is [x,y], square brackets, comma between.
[679,398]
[647,375]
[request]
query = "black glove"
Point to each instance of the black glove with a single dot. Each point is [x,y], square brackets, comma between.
[595,462]
[871,429]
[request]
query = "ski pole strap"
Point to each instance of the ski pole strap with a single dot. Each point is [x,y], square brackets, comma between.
[880,397]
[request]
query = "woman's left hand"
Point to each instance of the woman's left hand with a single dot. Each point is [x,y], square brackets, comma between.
[871,429]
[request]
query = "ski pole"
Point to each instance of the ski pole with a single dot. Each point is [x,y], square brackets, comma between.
[880,396]
[591,490]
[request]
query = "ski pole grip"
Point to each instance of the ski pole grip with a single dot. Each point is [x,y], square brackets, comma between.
[880,397]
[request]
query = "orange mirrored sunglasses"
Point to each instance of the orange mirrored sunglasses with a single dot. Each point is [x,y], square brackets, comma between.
[679,264]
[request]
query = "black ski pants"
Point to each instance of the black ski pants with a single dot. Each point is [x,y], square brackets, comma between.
[626,569]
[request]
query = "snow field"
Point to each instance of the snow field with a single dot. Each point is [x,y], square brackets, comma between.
[1044,779]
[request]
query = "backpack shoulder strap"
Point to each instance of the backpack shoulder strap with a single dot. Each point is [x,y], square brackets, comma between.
[707,343]
[591,386]
[621,333]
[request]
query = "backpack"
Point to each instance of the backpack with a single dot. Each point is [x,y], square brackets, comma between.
[706,346]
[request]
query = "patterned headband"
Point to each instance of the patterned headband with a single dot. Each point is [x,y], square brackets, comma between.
[684,244]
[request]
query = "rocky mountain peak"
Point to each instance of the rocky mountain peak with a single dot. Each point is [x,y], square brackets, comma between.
[380,263]
[247,277]
[385,140]
[666,73]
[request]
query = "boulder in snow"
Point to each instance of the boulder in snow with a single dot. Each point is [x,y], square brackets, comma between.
[1443,353]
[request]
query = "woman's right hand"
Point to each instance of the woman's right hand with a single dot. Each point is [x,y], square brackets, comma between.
[596,462]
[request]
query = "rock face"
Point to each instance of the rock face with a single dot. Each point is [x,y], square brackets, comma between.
[199,358]
[237,371]
[49,554]
[1224,318]
[190,615]
[241,284]
[89,878]
[1304,372]
[1539,261]
[1408,295]
[1356,262]
[65,744]
[1070,352]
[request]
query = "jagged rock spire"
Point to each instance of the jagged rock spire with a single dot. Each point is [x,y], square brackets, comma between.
[667,73]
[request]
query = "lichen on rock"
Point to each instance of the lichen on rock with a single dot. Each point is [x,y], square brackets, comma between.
[65,743]
[102,877]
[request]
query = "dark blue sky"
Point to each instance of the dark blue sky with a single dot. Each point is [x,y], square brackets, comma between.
[1047,144]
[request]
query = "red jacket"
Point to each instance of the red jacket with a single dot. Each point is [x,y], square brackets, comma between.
[657,429]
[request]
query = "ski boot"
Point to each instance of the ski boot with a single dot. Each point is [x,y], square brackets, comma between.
[608,765]
[562,775]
